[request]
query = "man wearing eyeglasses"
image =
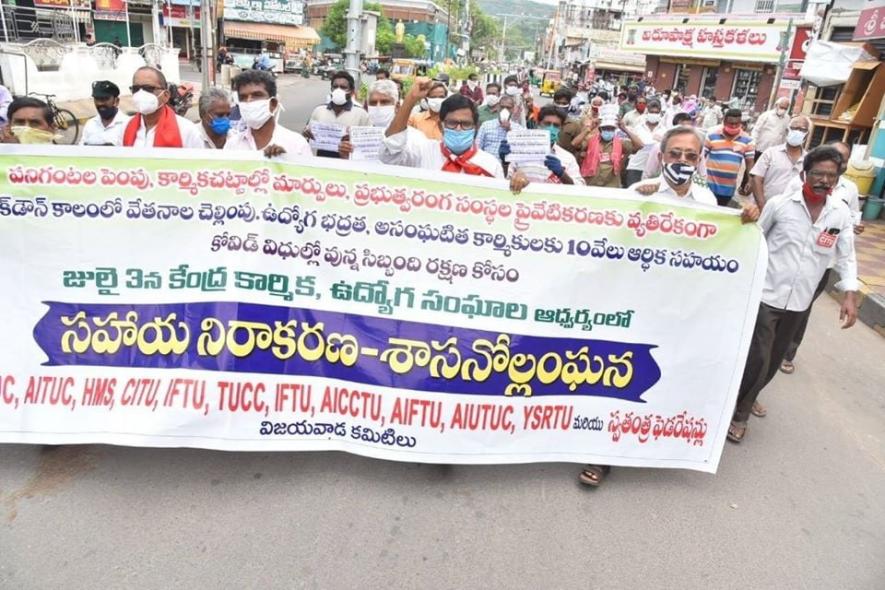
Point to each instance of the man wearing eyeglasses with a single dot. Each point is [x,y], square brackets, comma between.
[155,124]
[805,229]
[679,156]
[457,152]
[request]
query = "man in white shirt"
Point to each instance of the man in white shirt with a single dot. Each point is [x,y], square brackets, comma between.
[106,127]
[772,173]
[644,137]
[457,152]
[257,96]
[805,230]
[845,191]
[155,124]
[214,109]
[771,126]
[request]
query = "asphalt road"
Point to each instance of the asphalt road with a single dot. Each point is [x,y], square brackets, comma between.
[797,505]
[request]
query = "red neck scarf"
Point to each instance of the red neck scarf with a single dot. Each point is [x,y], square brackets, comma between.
[594,149]
[167,133]
[811,197]
[462,163]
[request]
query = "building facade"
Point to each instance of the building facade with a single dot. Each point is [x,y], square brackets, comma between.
[722,55]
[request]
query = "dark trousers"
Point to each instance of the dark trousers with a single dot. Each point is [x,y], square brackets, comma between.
[800,333]
[775,329]
[632,177]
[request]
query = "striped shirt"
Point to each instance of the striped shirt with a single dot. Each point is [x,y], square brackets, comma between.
[491,134]
[724,157]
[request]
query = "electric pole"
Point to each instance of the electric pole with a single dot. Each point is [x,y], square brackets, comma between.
[352,53]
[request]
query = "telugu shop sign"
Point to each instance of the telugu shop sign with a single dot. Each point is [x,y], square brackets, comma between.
[871,24]
[279,12]
[738,40]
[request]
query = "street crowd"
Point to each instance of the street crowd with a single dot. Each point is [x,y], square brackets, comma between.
[655,145]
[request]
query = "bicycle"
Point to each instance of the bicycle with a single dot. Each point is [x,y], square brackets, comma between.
[66,123]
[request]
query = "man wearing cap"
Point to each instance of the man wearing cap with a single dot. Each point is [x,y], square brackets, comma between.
[106,127]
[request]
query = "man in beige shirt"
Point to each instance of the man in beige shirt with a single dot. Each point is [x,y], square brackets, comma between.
[771,126]
[780,164]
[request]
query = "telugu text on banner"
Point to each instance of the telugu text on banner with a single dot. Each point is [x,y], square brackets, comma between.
[165,299]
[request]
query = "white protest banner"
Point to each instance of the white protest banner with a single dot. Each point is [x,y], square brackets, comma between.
[166,298]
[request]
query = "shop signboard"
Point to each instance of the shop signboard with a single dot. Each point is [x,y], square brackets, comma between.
[755,41]
[280,12]
[178,16]
[871,24]
[75,4]
[110,10]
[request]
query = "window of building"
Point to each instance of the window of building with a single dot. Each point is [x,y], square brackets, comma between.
[746,87]
[680,80]
[708,88]
[822,99]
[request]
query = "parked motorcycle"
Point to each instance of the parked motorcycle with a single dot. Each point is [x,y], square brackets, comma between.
[182,97]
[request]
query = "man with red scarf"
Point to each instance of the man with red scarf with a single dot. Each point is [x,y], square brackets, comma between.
[805,229]
[457,152]
[155,124]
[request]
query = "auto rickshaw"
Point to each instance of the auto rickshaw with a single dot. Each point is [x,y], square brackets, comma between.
[551,82]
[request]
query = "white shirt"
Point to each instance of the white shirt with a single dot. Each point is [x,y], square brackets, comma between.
[189,136]
[797,258]
[95,133]
[696,192]
[294,144]
[568,162]
[649,138]
[207,142]
[415,150]
[777,170]
[770,130]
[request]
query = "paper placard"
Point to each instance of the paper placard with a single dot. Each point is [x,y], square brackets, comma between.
[326,136]
[366,141]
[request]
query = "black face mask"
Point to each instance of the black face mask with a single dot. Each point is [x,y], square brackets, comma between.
[107,113]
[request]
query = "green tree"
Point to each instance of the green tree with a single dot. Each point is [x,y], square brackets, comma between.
[335,27]
[414,46]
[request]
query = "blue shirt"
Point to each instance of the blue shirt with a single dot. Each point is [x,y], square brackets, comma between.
[491,134]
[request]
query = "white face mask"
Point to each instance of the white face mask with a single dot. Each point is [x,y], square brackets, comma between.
[381,116]
[504,115]
[434,104]
[255,113]
[471,84]
[512,90]
[339,97]
[492,100]
[795,137]
[146,102]
[781,111]
[653,118]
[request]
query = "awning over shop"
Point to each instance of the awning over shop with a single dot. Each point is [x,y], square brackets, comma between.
[616,67]
[292,36]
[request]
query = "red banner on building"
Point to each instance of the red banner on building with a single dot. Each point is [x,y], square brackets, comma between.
[110,10]
[871,24]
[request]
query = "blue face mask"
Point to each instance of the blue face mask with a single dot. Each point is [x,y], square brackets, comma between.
[220,125]
[458,141]
[554,133]
[607,136]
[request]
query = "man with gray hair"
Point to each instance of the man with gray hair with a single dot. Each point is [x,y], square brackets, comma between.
[214,109]
[681,152]
[771,126]
[780,164]
[382,103]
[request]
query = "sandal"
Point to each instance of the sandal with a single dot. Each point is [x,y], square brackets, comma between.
[759,410]
[737,431]
[593,475]
[788,367]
